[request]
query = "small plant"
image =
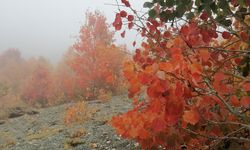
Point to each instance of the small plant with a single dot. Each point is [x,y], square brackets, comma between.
[77,113]
[104,95]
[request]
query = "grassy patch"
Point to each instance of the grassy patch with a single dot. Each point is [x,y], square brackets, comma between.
[43,133]
[7,139]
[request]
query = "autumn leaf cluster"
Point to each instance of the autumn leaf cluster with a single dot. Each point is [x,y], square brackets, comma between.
[189,80]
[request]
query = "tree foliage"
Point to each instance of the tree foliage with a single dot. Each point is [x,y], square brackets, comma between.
[66,87]
[189,81]
[95,60]
[38,87]
[12,72]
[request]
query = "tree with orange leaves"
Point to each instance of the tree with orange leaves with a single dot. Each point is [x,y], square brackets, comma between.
[38,88]
[95,60]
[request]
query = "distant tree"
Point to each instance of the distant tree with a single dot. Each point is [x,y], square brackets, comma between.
[65,80]
[95,59]
[12,71]
[38,88]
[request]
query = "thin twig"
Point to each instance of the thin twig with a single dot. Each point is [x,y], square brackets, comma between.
[229,107]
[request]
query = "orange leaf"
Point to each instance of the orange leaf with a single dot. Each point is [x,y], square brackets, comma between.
[191,116]
[234,101]
[205,55]
[196,68]
[245,101]
[143,134]
[166,66]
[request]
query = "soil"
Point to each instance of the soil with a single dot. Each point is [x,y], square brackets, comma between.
[45,129]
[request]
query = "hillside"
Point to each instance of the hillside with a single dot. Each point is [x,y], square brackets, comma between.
[45,129]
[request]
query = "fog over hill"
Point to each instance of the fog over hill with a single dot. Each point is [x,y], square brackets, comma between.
[48,27]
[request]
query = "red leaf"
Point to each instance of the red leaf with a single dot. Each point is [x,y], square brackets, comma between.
[205,36]
[246,87]
[130,25]
[130,17]
[234,101]
[219,76]
[173,112]
[167,34]
[118,22]
[123,34]
[244,36]
[237,61]
[126,3]
[158,125]
[204,16]
[134,43]
[185,30]
[179,90]
[123,14]
[226,35]
[144,78]
[143,134]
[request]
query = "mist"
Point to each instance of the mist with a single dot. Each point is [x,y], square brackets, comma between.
[48,28]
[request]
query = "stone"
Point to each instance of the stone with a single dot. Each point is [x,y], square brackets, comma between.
[2,122]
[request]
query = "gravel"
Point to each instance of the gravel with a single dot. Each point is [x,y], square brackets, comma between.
[46,130]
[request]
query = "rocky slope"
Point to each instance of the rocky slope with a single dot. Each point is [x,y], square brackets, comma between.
[44,129]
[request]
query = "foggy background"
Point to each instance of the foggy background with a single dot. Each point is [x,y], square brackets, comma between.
[49,27]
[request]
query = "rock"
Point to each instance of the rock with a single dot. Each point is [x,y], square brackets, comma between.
[136,144]
[101,123]
[2,122]
[16,114]
[108,142]
[93,145]
[32,112]
[52,123]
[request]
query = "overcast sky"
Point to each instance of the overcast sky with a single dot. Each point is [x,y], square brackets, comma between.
[48,27]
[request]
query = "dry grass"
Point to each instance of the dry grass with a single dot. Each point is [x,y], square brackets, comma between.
[104,96]
[77,133]
[75,138]
[72,143]
[8,143]
[43,133]
[78,113]
[8,140]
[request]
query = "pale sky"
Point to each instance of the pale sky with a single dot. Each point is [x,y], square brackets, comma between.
[48,27]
